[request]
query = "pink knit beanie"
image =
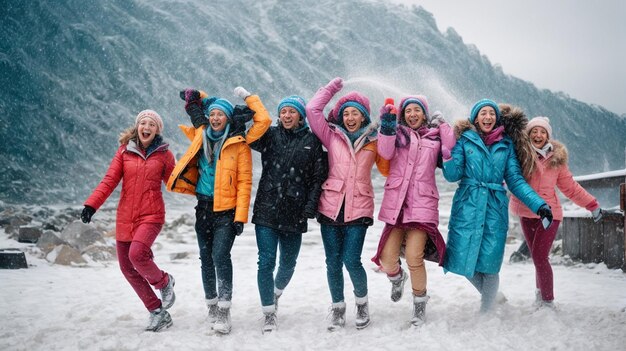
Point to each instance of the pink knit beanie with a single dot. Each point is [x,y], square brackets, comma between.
[540,121]
[151,115]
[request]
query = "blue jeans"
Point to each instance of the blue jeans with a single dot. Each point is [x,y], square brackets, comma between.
[216,234]
[343,246]
[487,285]
[267,241]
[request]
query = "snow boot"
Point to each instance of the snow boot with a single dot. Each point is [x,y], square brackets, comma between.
[271,321]
[337,317]
[211,304]
[397,285]
[223,323]
[419,310]
[168,297]
[362,313]
[159,319]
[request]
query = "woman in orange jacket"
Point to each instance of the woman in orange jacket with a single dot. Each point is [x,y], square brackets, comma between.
[217,169]
[545,170]
[141,163]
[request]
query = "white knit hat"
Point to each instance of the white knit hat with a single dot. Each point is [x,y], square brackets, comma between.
[151,114]
[540,121]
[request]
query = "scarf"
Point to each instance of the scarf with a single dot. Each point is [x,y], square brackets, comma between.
[212,142]
[544,150]
[493,136]
[404,137]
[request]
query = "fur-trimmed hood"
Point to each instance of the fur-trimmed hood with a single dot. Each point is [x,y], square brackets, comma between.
[558,156]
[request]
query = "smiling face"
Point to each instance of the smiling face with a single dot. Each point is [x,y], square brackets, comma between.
[414,115]
[217,120]
[147,130]
[352,119]
[486,119]
[289,117]
[538,137]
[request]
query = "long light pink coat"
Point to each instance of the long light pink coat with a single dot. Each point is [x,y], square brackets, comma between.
[349,174]
[550,173]
[411,179]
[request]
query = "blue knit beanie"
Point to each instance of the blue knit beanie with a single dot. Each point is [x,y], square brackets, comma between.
[480,104]
[224,106]
[296,102]
[356,105]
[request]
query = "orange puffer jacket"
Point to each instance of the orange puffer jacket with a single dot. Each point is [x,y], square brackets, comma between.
[233,170]
[141,200]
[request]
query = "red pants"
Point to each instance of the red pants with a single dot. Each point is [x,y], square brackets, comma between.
[137,265]
[539,242]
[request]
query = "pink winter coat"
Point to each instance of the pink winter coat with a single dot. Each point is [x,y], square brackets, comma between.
[141,200]
[349,176]
[411,179]
[552,172]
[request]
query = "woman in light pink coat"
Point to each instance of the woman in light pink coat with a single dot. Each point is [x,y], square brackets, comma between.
[346,205]
[414,143]
[546,171]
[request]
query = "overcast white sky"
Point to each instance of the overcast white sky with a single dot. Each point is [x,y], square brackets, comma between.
[574,46]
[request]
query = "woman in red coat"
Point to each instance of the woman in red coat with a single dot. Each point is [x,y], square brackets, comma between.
[545,170]
[142,162]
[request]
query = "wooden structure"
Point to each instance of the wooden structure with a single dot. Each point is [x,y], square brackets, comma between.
[587,241]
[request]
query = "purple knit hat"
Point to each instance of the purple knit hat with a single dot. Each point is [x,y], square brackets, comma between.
[351,99]
[414,99]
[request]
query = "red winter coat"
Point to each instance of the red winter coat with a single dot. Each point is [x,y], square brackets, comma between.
[141,200]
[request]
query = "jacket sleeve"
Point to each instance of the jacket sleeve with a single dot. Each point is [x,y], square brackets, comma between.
[315,115]
[320,172]
[261,119]
[244,183]
[386,146]
[111,179]
[264,142]
[454,168]
[517,184]
[574,191]
[170,163]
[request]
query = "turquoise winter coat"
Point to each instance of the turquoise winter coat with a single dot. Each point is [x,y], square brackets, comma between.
[479,218]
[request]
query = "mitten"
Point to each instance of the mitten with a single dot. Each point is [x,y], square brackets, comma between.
[448,140]
[334,85]
[437,119]
[206,102]
[87,213]
[242,93]
[546,215]
[238,227]
[190,95]
[597,214]
[241,115]
[388,120]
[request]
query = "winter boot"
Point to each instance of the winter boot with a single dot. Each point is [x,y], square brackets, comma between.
[271,321]
[419,310]
[223,324]
[362,313]
[397,285]
[159,319]
[337,317]
[211,304]
[168,297]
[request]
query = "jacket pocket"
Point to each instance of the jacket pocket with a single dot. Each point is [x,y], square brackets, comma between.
[335,185]
[393,183]
[365,189]
[429,190]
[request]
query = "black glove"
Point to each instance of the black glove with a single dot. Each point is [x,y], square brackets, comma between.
[241,115]
[190,95]
[388,120]
[546,215]
[238,227]
[87,213]
[193,106]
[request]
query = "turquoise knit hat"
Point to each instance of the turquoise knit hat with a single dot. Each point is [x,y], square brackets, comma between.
[480,104]
[296,102]
[224,106]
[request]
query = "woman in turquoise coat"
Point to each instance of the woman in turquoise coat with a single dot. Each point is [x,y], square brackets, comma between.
[483,159]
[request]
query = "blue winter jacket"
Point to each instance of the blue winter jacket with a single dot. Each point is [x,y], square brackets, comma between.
[479,218]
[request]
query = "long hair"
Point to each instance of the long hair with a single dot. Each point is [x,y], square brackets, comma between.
[129,134]
[515,121]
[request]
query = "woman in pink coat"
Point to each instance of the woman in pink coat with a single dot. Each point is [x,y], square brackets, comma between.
[346,205]
[141,163]
[414,144]
[545,171]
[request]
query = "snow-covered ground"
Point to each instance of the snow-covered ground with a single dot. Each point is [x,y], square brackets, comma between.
[52,307]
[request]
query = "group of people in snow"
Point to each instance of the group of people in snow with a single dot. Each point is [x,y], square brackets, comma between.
[316,166]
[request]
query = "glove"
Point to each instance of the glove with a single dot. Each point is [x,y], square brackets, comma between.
[437,119]
[334,85]
[238,227]
[242,93]
[546,215]
[87,213]
[388,120]
[190,95]
[241,115]
[597,214]
[206,102]
[308,213]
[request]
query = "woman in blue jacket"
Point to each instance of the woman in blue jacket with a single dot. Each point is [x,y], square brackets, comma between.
[483,158]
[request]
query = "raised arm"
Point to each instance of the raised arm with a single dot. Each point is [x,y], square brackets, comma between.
[315,110]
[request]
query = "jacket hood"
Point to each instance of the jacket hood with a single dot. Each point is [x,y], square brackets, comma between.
[559,155]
